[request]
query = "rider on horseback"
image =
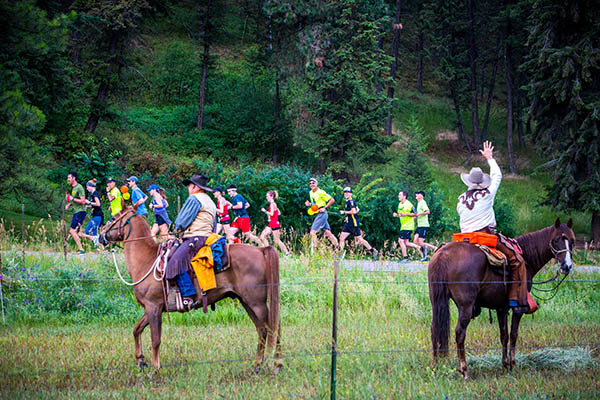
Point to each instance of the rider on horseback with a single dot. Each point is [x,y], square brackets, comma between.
[476,210]
[196,221]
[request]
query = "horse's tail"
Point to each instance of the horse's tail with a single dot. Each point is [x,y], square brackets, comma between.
[439,297]
[272,261]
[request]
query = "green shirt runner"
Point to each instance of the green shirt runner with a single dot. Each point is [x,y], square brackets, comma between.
[422,220]
[77,192]
[406,223]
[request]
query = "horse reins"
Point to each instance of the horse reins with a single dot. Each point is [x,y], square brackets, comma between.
[554,289]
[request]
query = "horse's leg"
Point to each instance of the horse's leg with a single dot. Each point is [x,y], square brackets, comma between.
[278,362]
[464,317]
[155,321]
[259,315]
[514,333]
[137,333]
[503,323]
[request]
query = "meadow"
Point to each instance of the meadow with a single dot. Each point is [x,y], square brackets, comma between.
[68,334]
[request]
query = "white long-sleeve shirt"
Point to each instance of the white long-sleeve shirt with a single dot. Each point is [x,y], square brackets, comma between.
[476,206]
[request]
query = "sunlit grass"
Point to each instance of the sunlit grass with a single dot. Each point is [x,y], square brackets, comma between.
[383,343]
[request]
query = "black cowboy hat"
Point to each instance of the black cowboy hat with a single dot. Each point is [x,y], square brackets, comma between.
[199,180]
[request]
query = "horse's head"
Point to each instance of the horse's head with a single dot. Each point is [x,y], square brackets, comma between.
[119,228]
[562,244]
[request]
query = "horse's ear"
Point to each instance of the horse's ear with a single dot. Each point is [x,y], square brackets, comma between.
[570,223]
[557,223]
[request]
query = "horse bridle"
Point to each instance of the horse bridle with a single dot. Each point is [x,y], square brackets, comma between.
[120,229]
[554,289]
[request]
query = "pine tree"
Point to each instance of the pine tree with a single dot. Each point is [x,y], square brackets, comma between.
[564,65]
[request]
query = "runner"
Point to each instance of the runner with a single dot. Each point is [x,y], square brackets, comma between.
[77,203]
[351,225]
[422,225]
[161,218]
[242,220]
[273,226]
[138,198]
[93,202]
[406,213]
[114,197]
[322,200]
[223,218]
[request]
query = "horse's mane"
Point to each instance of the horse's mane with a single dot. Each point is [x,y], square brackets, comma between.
[535,247]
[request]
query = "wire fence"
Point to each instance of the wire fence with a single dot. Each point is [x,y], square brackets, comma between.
[284,356]
[30,281]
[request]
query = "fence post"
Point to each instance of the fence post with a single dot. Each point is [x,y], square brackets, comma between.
[1,296]
[64,231]
[334,328]
[178,204]
[23,228]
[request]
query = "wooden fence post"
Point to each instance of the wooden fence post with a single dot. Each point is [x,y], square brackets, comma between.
[334,329]
[64,231]
[178,204]
[1,296]
[23,228]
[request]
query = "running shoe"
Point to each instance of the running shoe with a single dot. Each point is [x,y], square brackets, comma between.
[404,260]
[374,254]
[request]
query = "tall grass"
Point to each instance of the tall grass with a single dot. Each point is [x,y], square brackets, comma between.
[383,340]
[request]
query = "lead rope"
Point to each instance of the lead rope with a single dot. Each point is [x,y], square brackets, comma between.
[152,268]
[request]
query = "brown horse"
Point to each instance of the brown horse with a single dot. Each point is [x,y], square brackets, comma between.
[253,277]
[460,271]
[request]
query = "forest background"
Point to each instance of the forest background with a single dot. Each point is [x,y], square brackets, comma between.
[379,95]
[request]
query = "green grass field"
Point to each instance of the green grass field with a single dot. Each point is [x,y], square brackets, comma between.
[69,334]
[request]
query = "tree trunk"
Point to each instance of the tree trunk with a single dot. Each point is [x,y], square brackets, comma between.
[519,105]
[473,62]
[488,104]
[596,229]
[482,86]
[94,117]
[277,122]
[420,48]
[459,124]
[205,59]
[379,87]
[509,106]
[395,46]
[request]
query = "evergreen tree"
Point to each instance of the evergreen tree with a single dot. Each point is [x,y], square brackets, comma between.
[343,111]
[564,66]
[34,87]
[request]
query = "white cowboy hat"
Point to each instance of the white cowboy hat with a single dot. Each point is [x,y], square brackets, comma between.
[476,179]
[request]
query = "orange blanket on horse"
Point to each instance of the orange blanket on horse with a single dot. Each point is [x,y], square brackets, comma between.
[486,243]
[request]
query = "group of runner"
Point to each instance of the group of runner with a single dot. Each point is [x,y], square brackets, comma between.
[319,201]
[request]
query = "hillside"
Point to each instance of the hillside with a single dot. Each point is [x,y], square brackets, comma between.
[238,93]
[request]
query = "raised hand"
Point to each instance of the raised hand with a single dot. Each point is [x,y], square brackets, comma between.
[488,150]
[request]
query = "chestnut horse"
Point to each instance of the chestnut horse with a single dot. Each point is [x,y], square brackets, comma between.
[253,276]
[460,271]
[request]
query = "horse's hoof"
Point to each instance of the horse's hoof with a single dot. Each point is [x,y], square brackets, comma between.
[142,364]
[257,369]
[277,369]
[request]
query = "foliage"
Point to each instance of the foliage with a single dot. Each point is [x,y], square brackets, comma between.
[342,110]
[564,65]
[34,86]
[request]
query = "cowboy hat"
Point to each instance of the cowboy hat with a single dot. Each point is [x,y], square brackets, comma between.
[199,180]
[476,179]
